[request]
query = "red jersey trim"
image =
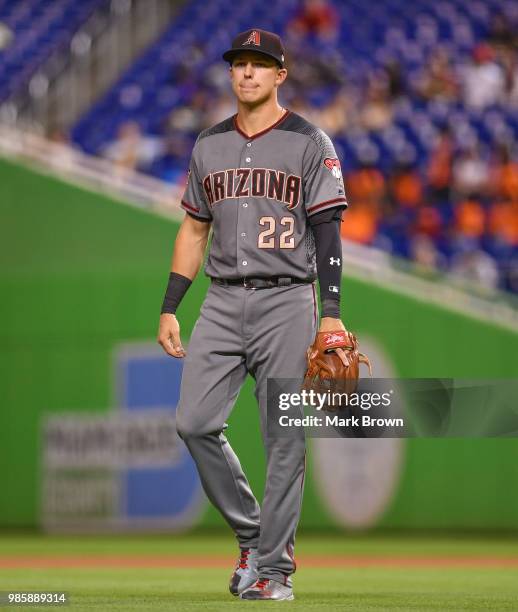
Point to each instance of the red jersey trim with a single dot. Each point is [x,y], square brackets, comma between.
[316,207]
[192,209]
[190,206]
[245,135]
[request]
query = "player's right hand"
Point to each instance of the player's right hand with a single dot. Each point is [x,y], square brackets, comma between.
[169,336]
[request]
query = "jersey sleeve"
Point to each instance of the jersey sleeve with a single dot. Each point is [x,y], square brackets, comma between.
[323,181]
[194,200]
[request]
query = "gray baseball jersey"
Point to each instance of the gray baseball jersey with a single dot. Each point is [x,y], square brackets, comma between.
[259,192]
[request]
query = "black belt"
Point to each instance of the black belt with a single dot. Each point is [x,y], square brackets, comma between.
[261,283]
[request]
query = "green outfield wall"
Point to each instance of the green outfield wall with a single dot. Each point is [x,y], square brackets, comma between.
[82,273]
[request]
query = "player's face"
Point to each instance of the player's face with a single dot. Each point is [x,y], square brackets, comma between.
[255,77]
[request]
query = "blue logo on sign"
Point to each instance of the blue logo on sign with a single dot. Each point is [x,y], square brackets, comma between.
[165,494]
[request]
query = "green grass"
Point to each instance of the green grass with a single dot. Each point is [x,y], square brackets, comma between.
[368,589]
[357,589]
[211,543]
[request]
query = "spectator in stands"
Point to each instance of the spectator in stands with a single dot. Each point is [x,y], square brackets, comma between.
[510,64]
[399,210]
[438,79]
[503,39]
[440,163]
[483,79]
[471,173]
[425,255]
[132,150]
[428,222]
[396,79]
[59,135]
[470,220]
[361,225]
[477,267]
[315,17]
[503,223]
[337,115]
[366,191]
[192,117]
[502,34]
[6,36]
[405,186]
[504,175]
[63,153]
[314,71]
[377,112]
[366,184]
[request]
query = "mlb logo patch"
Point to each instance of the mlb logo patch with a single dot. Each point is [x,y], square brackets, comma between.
[333,165]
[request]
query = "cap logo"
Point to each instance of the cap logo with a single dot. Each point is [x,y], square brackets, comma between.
[253,39]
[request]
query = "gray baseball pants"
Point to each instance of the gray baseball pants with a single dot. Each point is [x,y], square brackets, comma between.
[264,332]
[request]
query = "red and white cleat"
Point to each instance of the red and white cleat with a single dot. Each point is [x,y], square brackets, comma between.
[268,589]
[245,573]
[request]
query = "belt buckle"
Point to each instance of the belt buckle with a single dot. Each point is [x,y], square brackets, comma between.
[247,284]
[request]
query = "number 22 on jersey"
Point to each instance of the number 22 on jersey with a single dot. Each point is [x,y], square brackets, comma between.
[267,238]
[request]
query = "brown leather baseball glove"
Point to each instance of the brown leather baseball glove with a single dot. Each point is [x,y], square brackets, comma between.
[326,370]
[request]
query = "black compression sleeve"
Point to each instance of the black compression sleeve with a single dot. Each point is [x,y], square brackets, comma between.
[326,215]
[198,218]
[176,289]
[329,265]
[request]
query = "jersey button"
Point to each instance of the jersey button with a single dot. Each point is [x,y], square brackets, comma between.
[244,262]
[248,160]
[245,204]
[248,144]
[243,235]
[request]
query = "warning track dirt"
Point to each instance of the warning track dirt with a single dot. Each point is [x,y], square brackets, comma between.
[193,561]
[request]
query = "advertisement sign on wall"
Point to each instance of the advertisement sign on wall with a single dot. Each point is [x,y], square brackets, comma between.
[127,468]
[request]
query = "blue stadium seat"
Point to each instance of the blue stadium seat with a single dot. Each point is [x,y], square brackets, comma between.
[370,35]
[39,28]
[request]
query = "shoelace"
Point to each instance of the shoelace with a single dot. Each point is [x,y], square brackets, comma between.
[261,584]
[243,560]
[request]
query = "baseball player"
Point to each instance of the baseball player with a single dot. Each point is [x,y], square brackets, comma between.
[269,185]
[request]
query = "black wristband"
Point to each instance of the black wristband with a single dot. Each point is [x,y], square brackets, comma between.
[331,307]
[176,289]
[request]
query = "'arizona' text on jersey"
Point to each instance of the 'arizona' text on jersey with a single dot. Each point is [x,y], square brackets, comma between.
[259,192]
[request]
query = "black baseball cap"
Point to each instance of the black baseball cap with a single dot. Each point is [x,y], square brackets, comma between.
[259,41]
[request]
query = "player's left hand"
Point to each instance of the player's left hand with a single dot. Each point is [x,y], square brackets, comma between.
[169,336]
[329,324]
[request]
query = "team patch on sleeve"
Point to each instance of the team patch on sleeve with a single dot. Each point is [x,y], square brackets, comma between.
[333,165]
